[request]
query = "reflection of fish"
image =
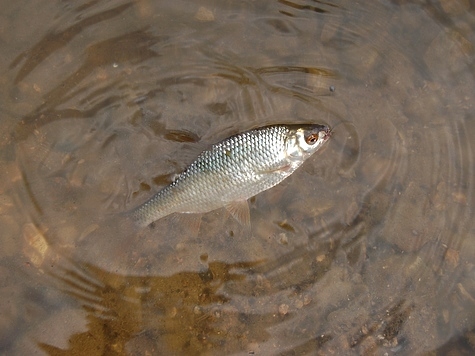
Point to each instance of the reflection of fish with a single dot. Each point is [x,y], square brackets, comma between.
[234,170]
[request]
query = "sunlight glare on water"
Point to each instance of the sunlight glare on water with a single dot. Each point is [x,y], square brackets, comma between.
[368,248]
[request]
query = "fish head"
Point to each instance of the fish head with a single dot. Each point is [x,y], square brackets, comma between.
[304,140]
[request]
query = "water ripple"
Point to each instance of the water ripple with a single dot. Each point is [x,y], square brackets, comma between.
[367,248]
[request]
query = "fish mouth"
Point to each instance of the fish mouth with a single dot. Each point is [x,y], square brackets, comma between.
[327,132]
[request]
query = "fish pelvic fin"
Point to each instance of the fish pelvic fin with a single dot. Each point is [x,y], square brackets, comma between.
[239,209]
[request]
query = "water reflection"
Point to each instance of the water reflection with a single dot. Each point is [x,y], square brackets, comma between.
[223,307]
[183,313]
[131,47]
[58,40]
[307,6]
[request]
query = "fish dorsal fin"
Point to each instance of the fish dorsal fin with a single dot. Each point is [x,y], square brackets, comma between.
[239,209]
[189,152]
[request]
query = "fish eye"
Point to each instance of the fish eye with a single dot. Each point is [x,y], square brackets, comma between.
[311,139]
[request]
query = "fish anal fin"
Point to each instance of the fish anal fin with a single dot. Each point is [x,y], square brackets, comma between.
[191,222]
[239,209]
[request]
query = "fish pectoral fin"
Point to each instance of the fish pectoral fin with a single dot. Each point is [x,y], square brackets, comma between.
[239,209]
[282,169]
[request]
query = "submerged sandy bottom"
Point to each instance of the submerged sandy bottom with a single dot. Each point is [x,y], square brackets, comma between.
[366,249]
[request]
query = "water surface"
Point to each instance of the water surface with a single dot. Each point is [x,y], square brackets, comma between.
[367,249]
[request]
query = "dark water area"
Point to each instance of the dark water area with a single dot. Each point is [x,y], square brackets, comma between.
[368,248]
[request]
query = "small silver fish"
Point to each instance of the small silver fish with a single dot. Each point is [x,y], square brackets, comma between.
[234,170]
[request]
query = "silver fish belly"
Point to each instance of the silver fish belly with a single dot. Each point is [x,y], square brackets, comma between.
[234,170]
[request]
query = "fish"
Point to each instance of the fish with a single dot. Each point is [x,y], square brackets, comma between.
[234,170]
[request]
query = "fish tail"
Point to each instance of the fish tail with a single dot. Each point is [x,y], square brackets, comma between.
[152,210]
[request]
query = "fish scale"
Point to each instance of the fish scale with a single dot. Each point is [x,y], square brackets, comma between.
[234,170]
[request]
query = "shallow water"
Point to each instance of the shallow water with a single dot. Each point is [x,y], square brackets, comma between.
[367,249]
